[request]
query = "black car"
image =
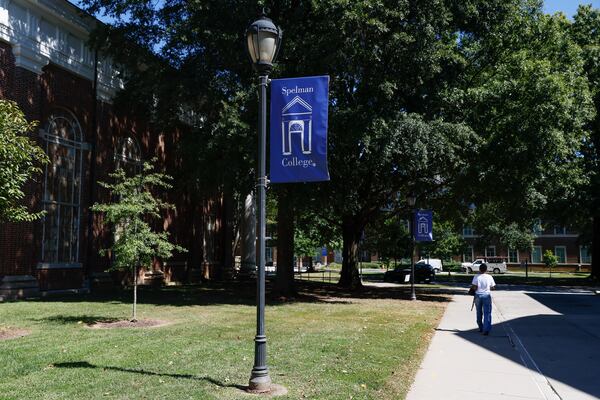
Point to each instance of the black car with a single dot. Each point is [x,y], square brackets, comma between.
[423,273]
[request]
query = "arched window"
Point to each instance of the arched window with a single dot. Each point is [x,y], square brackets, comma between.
[128,156]
[62,188]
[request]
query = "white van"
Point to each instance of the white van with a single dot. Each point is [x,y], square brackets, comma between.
[436,263]
[495,265]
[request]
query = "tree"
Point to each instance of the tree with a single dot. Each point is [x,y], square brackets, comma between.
[584,203]
[473,101]
[136,242]
[447,242]
[524,92]
[20,160]
[550,260]
[389,237]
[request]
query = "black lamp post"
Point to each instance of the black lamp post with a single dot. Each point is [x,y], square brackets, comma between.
[263,40]
[411,200]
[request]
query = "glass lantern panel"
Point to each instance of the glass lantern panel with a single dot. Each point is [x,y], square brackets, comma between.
[253,46]
[266,46]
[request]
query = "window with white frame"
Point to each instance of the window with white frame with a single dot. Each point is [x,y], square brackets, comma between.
[490,251]
[62,188]
[468,254]
[561,253]
[513,256]
[128,156]
[584,255]
[536,254]
[468,230]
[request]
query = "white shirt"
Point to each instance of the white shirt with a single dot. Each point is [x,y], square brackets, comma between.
[484,283]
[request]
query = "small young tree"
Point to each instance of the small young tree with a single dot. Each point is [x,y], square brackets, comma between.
[136,243]
[20,159]
[550,260]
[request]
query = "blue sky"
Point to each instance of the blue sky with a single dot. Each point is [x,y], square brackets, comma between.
[568,7]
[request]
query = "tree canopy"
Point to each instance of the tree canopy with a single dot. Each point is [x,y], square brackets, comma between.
[478,101]
[20,160]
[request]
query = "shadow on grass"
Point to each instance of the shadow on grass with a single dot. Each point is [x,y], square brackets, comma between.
[241,293]
[85,364]
[325,291]
[71,319]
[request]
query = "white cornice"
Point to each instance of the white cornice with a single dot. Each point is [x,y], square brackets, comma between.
[54,31]
[29,59]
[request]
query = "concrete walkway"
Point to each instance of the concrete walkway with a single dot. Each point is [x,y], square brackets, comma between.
[543,345]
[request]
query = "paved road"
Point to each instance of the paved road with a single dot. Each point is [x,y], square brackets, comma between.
[545,344]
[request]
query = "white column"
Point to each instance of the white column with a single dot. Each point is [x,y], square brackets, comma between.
[249,236]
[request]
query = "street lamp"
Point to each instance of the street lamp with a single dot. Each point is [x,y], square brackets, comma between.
[263,40]
[411,200]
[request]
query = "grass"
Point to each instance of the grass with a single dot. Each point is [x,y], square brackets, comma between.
[365,265]
[534,278]
[323,345]
[510,278]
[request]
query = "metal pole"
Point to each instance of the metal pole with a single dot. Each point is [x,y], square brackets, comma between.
[260,381]
[413,295]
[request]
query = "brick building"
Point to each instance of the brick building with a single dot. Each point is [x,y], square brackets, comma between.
[564,243]
[46,67]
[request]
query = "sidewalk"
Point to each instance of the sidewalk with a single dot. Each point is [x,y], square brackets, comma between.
[463,364]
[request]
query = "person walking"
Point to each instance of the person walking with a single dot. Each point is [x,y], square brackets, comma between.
[482,285]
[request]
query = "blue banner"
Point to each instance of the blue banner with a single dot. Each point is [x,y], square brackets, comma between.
[423,226]
[299,129]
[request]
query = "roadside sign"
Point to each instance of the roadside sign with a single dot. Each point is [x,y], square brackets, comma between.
[423,226]
[299,112]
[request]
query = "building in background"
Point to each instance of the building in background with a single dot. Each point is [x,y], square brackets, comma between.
[46,67]
[564,243]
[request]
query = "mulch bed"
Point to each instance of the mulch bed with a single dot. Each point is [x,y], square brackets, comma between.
[140,323]
[12,333]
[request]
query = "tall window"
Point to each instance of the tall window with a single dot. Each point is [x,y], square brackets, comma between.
[536,254]
[490,251]
[513,256]
[268,254]
[584,255]
[561,253]
[560,230]
[538,228]
[62,188]
[128,156]
[468,254]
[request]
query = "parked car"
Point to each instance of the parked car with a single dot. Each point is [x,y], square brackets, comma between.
[423,273]
[495,265]
[436,263]
[270,267]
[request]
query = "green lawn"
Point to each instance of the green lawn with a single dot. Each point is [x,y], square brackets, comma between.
[322,345]
[519,278]
[510,278]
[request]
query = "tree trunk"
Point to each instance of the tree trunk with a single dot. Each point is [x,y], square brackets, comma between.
[228,271]
[596,248]
[349,277]
[135,278]
[284,280]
